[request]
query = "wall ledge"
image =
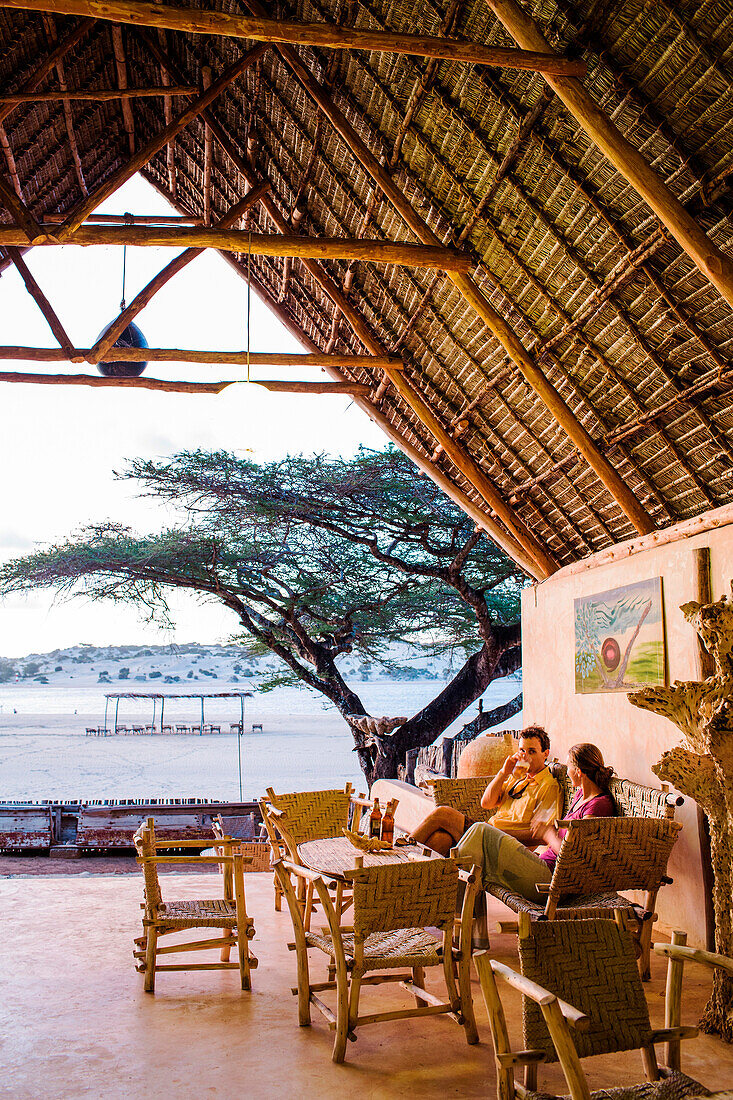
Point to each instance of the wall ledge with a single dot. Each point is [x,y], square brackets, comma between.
[708,521]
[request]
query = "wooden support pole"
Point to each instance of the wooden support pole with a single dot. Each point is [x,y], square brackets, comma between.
[42,302]
[170,149]
[472,508]
[148,151]
[10,162]
[185,355]
[129,219]
[158,281]
[263,244]
[626,159]
[68,115]
[98,95]
[163,384]
[198,21]
[30,230]
[544,389]
[121,66]
[64,45]
[208,151]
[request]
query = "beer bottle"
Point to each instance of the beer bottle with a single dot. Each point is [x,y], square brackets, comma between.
[388,824]
[375,820]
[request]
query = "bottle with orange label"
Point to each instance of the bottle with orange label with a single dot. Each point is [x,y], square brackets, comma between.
[375,820]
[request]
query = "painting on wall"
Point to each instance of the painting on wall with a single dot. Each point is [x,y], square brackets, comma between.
[619,639]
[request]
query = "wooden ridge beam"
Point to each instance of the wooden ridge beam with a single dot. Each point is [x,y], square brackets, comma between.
[625,157]
[97,95]
[148,151]
[198,21]
[144,296]
[65,44]
[41,301]
[169,386]
[529,560]
[544,389]
[261,244]
[185,355]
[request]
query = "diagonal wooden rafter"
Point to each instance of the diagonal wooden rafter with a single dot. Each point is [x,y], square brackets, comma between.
[199,21]
[143,297]
[66,105]
[626,159]
[544,389]
[41,301]
[143,155]
[521,543]
[22,215]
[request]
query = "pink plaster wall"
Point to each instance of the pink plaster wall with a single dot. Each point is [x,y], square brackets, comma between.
[631,739]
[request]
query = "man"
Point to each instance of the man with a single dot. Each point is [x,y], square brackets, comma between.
[524,793]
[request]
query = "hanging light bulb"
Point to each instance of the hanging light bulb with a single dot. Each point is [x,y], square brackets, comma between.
[130,337]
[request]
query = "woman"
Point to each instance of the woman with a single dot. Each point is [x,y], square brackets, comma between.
[507,862]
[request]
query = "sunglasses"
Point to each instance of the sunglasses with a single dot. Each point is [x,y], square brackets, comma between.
[517,789]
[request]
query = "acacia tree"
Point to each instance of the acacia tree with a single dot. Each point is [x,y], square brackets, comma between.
[316,557]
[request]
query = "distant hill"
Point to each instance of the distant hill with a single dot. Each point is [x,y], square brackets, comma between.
[166,664]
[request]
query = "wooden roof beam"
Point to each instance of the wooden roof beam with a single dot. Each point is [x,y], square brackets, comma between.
[170,149]
[544,389]
[169,386]
[29,227]
[258,29]
[148,151]
[96,95]
[41,301]
[626,159]
[529,553]
[185,355]
[64,45]
[118,47]
[144,296]
[262,244]
[68,116]
[208,151]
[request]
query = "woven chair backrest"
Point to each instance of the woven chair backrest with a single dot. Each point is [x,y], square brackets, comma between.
[592,965]
[144,840]
[631,799]
[613,853]
[463,795]
[404,895]
[560,773]
[313,815]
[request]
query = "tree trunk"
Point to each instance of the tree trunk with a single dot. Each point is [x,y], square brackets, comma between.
[467,685]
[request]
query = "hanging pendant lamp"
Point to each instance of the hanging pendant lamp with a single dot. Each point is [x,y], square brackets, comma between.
[130,337]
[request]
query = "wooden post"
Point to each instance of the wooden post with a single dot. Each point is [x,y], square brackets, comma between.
[262,244]
[626,159]
[705,667]
[544,389]
[148,151]
[43,304]
[198,21]
[107,340]
[121,66]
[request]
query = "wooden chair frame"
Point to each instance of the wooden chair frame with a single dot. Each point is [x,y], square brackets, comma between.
[156,924]
[562,1020]
[351,975]
[254,851]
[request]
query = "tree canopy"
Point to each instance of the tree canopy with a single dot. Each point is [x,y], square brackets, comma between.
[316,557]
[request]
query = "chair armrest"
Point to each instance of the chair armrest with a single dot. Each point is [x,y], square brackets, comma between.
[305,872]
[273,811]
[357,800]
[694,954]
[205,843]
[540,996]
[187,859]
[673,1034]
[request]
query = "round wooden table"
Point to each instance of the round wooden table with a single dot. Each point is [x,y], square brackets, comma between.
[335,855]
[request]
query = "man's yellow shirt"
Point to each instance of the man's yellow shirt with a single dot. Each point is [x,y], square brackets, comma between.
[541,801]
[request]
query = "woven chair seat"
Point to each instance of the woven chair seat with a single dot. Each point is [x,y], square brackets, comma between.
[198,914]
[675,1087]
[582,905]
[403,947]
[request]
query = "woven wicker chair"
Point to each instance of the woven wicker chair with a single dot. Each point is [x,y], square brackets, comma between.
[393,905]
[600,856]
[235,830]
[292,819]
[582,995]
[463,795]
[163,918]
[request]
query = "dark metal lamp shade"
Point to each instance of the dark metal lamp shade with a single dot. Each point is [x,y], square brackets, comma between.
[132,337]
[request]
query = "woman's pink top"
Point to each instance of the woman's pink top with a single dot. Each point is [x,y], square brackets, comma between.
[601,805]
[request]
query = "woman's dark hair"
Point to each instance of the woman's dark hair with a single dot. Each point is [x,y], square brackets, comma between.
[589,759]
[541,734]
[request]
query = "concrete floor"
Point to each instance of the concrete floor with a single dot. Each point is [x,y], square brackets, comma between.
[75,1023]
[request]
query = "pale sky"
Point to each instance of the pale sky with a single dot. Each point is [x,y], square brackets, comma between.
[59,445]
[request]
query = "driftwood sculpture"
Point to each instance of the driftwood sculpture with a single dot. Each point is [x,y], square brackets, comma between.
[702,767]
[377,726]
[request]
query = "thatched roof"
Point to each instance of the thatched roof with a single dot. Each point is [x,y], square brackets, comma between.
[631,334]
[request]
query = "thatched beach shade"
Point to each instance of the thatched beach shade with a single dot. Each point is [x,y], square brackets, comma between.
[572,388]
